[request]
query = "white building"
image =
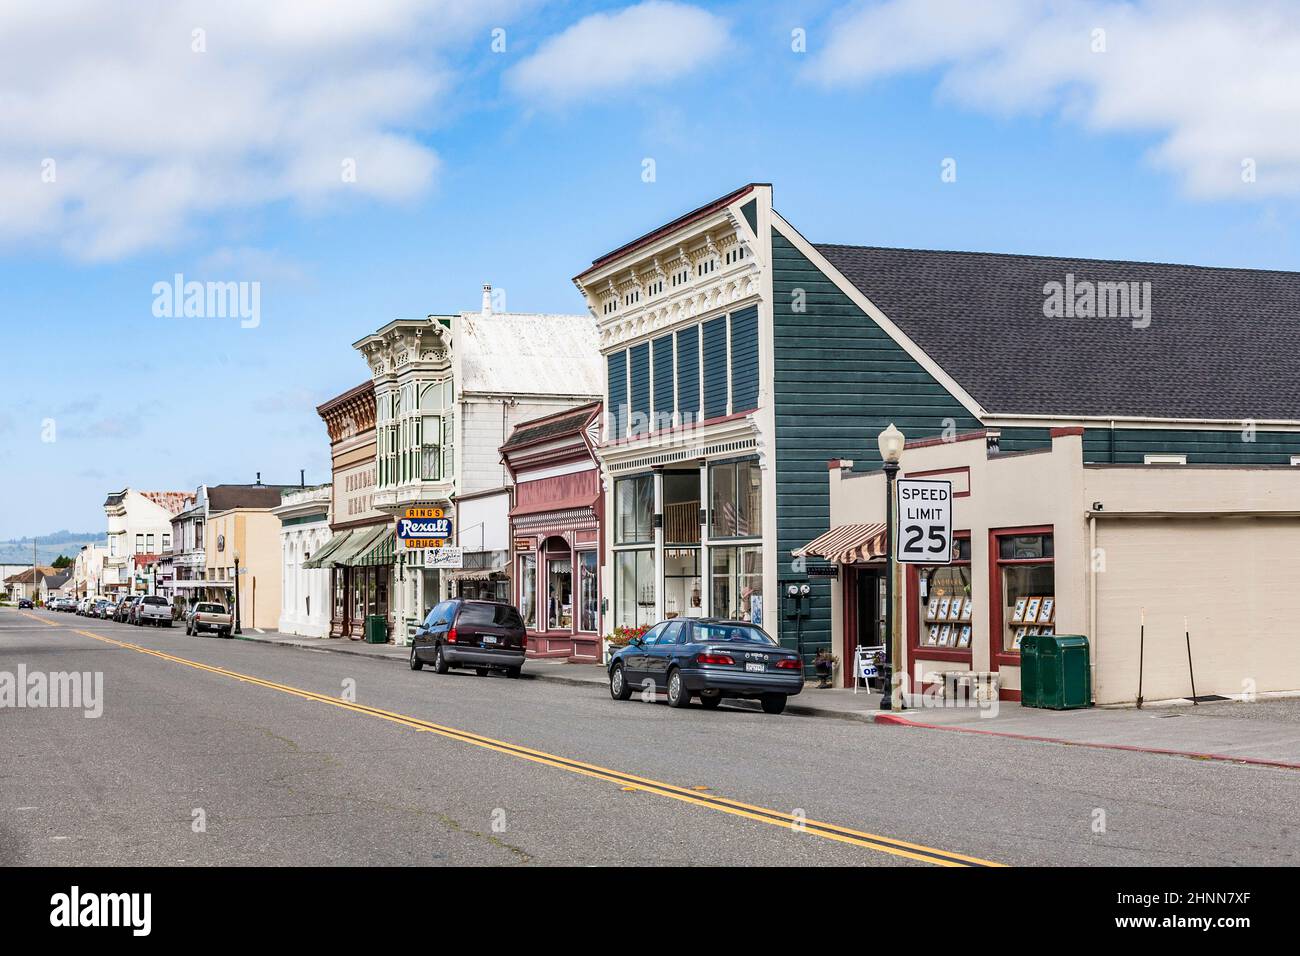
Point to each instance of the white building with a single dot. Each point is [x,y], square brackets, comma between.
[449,390]
[139,523]
[88,570]
[304,529]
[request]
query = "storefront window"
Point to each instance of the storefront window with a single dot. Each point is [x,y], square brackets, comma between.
[735,500]
[634,587]
[634,505]
[587,590]
[1027,573]
[681,503]
[946,607]
[560,593]
[528,589]
[738,583]
[682,594]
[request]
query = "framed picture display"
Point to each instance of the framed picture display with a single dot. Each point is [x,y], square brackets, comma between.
[942,613]
[933,636]
[1031,610]
[1048,609]
[933,609]
[945,635]
[1047,631]
[963,636]
[1020,636]
[954,611]
[1019,614]
[967,609]
[1033,631]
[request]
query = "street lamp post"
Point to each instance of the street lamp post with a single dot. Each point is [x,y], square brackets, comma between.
[237,628]
[891,442]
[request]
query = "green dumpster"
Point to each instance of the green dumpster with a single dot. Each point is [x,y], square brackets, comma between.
[1064,672]
[376,630]
[1031,694]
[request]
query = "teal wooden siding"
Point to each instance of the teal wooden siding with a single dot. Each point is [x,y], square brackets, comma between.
[744,360]
[715,367]
[839,380]
[662,349]
[639,385]
[1127,446]
[616,365]
[688,373]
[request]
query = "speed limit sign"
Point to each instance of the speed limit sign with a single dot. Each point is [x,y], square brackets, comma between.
[924,521]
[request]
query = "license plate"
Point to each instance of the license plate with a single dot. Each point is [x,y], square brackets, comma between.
[756,667]
[489,640]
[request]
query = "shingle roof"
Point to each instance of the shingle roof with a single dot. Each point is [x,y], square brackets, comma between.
[1221,344]
[569,422]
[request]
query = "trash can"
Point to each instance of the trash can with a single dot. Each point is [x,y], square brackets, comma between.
[376,631]
[1064,672]
[1031,693]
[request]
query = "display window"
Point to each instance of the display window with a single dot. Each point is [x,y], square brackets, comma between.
[528,589]
[634,503]
[738,583]
[736,500]
[559,576]
[682,585]
[1023,583]
[941,604]
[588,589]
[634,587]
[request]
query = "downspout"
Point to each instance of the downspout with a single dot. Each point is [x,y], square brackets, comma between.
[1092,598]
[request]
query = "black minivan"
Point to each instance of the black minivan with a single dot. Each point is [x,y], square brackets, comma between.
[483,635]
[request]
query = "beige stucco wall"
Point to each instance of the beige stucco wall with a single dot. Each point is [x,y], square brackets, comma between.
[255,535]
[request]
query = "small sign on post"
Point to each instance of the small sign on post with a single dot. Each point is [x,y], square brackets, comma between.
[924,521]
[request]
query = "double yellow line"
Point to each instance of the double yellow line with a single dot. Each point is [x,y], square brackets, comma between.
[829,831]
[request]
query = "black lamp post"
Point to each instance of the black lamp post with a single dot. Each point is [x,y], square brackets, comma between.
[237,628]
[891,442]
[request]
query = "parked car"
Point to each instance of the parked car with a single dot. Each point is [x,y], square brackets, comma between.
[100,608]
[82,605]
[209,617]
[709,658]
[484,635]
[122,614]
[154,610]
[25,603]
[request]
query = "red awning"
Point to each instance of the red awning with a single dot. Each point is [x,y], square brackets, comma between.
[848,544]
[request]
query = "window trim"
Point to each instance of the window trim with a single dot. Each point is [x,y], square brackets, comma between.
[998,656]
[916,648]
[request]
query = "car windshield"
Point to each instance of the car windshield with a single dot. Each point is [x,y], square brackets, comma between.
[737,633]
[210,609]
[497,615]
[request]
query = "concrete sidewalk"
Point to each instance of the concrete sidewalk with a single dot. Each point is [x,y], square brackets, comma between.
[1265,732]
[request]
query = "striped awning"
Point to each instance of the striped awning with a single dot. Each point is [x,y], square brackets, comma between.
[379,549]
[848,544]
[321,559]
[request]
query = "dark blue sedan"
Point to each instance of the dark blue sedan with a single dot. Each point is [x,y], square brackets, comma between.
[708,658]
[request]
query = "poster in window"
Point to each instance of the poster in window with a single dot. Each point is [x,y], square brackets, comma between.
[967,609]
[1047,631]
[943,610]
[954,612]
[945,635]
[1020,636]
[1047,610]
[1019,616]
[933,636]
[933,610]
[1031,610]
[963,639]
[1033,631]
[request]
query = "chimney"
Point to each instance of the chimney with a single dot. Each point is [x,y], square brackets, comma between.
[487,298]
[259,477]
[302,477]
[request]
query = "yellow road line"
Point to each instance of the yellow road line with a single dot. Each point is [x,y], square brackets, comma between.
[41,619]
[829,831]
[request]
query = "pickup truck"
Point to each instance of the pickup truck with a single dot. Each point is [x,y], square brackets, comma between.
[209,617]
[154,610]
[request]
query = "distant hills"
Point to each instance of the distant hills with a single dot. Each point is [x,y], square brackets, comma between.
[48,546]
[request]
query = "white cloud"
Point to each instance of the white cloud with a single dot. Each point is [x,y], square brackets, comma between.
[650,44]
[148,135]
[1215,82]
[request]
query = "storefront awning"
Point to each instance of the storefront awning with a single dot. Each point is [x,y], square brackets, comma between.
[848,544]
[378,548]
[322,558]
[479,575]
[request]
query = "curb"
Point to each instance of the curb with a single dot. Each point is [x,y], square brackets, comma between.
[800,710]
[895,720]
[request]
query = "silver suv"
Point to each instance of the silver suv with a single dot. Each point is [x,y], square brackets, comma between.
[154,610]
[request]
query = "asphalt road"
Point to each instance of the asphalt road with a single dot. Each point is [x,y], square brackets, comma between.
[290,757]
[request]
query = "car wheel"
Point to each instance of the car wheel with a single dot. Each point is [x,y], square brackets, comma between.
[481,671]
[773,703]
[440,665]
[188,632]
[513,672]
[618,686]
[710,701]
[678,695]
[416,663]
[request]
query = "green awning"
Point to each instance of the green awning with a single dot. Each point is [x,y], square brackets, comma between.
[322,558]
[380,549]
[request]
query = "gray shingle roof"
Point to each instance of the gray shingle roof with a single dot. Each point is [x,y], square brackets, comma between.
[1221,344]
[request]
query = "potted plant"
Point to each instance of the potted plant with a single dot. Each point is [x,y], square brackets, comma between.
[825,664]
[621,637]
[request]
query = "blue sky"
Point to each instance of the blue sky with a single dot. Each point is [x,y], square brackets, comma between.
[519,167]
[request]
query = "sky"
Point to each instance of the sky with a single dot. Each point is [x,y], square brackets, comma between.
[356,163]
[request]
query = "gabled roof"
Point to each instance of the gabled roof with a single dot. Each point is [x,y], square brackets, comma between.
[25,577]
[57,580]
[571,421]
[1222,344]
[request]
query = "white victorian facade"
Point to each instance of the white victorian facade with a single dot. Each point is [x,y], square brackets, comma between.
[305,593]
